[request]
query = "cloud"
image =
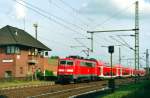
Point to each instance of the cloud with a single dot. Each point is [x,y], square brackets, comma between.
[20,9]
[110,7]
[144,5]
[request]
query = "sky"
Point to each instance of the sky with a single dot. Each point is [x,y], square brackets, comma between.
[63,25]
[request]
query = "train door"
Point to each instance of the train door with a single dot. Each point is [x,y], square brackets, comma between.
[101,70]
[117,72]
[120,71]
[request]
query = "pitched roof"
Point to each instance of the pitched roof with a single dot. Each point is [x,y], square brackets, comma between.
[13,36]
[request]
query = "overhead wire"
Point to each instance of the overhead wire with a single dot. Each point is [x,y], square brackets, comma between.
[74,10]
[124,41]
[46,16]
[114,15]
[40,12]
[73,14]
[53,41]
[80,42]
[59,18]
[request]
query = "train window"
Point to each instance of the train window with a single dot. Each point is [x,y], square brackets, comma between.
[82,63]
[93,64]
[89,64]
[69,62]
[63,62]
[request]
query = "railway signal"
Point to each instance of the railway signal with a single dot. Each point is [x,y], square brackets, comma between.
[111,82]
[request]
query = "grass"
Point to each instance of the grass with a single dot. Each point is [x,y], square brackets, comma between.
[20,83]
[139,90]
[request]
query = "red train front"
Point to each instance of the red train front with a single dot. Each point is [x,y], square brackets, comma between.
[74,69]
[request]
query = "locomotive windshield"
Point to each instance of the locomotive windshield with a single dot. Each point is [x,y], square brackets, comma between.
[69,63]
[65,62]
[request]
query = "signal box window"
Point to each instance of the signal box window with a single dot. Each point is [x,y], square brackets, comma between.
[46,53]
[12,50]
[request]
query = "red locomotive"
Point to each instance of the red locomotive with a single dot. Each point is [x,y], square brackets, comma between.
[75,68]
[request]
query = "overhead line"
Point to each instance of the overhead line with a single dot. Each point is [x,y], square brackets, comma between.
[124,41]
[48,16]
[59,18]
[35,9]
[74,10]
[80,42]
[114,15]
[81,21]
[71,14]
[53,41]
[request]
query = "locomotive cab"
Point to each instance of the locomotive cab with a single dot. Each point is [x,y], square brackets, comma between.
[75,69]
[65,70]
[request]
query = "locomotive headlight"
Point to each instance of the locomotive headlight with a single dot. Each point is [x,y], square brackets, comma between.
[61,70]
[69,70]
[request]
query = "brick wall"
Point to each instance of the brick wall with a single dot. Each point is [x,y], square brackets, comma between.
[6,63]
[19,64]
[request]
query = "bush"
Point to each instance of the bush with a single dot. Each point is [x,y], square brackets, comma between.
[54,57]
[49,73]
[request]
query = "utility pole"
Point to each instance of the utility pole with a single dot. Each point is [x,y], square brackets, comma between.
[147,62]
[36,26]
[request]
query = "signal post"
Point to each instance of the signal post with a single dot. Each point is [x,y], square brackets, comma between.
[111,82]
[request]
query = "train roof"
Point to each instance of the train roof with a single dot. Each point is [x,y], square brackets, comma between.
[118,66]
[79,58]
[76,58]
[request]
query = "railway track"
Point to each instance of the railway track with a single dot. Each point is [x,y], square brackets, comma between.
[73,90]
[57,90]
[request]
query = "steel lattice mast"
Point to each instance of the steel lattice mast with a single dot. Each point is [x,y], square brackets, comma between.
[136,35]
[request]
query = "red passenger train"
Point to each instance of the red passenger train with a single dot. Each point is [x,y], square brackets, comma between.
[75,69]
